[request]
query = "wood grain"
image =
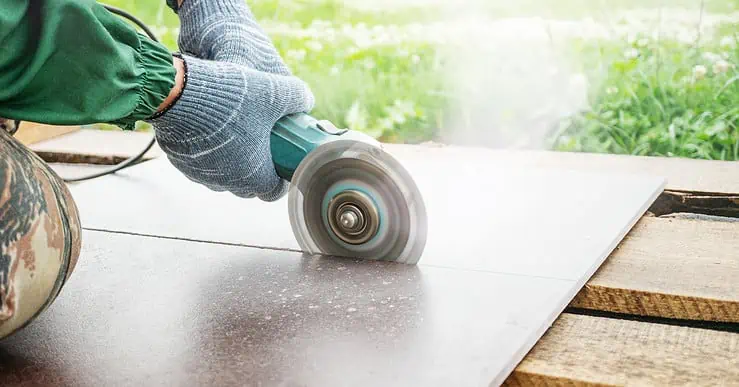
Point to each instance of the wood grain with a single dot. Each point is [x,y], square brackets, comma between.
[673,268]
[682,174]
[595,351]
[95,147]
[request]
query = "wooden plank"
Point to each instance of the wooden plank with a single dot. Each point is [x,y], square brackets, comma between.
[591,351]
[95,147]
[31,133]
[673,268]
[682,174]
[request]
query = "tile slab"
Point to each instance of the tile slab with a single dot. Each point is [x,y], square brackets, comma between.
[152,311]
[542,222]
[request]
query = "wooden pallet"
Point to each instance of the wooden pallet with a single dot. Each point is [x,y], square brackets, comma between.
[662,310]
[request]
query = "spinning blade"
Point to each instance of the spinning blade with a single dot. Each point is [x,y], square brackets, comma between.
[352,199]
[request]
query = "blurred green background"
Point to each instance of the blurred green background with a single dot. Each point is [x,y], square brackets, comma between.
[628,77]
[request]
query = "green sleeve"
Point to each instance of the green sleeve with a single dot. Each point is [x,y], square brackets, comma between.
[76,63]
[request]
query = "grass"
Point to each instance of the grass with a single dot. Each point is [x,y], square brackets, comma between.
[669,100]
[646,96]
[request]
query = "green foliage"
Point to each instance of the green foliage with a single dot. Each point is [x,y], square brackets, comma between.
[663,99]
[381,90]
[647,97]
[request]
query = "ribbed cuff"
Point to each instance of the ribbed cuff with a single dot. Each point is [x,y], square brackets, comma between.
[157,76]
[213,91]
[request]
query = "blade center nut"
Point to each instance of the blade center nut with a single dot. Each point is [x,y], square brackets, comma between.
[349,219]
[353,217]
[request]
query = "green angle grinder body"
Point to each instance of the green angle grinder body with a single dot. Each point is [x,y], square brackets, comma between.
[348,197]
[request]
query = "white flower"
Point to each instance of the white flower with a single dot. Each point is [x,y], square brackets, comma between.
[415,59]
[728,41]
[329,34]
[363,42]
[612,90]
[721,66]
[314,45]
[334,70]
[686,36]
[699,71]
[347,29]
[631,53]
[318,23]
[297,55]
[710,56]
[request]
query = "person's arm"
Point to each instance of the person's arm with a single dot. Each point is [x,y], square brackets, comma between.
[71,62]
[212,111]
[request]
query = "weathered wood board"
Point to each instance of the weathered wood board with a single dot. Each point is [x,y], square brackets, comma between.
[673,268]
[95,146]
[596,351]
[682,174]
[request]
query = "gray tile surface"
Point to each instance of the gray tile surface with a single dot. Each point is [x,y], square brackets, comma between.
[151,311]
[508,249]
[529,221]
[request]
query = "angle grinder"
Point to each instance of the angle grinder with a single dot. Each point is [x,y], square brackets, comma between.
[348,197]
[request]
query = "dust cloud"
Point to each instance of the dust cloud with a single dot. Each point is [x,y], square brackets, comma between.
[511,81]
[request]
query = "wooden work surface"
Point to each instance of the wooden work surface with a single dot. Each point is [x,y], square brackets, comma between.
[664,307]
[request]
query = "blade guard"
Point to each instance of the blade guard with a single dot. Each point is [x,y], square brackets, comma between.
[294,136]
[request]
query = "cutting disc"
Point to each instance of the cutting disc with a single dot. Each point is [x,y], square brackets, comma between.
[352,199]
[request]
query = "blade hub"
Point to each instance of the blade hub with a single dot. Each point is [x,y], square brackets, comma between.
[350,218]
[353,217]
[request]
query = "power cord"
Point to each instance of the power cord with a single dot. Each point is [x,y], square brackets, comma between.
[135,159]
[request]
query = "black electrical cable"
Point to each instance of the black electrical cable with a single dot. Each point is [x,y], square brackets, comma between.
[135,159]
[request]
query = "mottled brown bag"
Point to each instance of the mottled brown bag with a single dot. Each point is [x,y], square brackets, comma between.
[39,234]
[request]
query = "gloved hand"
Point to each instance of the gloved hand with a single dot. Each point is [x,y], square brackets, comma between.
[236,88]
